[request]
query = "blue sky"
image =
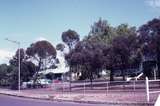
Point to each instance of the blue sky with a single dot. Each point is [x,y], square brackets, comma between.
[30,20]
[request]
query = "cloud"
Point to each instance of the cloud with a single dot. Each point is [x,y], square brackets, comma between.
[153,3]
[5,56]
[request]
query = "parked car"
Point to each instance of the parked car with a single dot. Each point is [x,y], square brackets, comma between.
[40,83]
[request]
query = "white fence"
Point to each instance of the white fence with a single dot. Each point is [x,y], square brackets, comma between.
[148,92]
[102,86]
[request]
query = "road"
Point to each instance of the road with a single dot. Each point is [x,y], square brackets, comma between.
[16,101]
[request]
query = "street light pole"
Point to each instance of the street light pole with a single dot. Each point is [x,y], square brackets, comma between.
[19,64]
[19,68]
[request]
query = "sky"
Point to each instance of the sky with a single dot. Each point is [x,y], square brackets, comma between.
[28,21]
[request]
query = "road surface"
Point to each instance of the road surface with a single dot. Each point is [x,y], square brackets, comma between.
[16,101]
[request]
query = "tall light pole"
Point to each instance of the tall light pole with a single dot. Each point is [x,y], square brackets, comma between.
[19,64]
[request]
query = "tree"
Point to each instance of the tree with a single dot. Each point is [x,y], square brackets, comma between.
[101,31]
[70,37]
[9,73]
[109,60]
[43,54]
[15,59]
[99,28]
[121,53]
[149,35]
[123,48]
[86,59]
[4,75]
[14,62]
[27,69]
[60,46]
[125,30]
[13,78]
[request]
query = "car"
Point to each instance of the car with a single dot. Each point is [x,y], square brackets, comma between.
[39,83]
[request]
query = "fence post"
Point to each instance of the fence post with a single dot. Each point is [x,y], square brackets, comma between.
[134,85]
[84,88]
[147,89]
[62,88]
[54,86]
[154,74]
[106,88]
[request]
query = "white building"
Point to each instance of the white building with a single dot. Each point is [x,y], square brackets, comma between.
[62,67]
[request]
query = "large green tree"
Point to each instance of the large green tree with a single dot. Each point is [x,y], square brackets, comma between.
[149,35]
[101,31]
[27,69]
[42,54]
[4,75]
[86,58]
[120,50]
[70,37]
[124,47]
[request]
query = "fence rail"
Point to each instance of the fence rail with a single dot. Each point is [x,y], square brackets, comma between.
[148,91]
[148,86]
[100,86]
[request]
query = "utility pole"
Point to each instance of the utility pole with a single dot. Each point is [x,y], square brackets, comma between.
[19,64]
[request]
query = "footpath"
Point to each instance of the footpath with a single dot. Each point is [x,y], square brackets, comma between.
[111,98]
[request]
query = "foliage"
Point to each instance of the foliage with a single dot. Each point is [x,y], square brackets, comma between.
[148,36]
[70,37]
[43,53]
[4,75]
[101,31]
[60,47]
[121,47]
[86,59]
[27,69]
[104,48]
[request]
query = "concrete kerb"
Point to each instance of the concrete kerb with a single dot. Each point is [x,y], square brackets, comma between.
[54,98]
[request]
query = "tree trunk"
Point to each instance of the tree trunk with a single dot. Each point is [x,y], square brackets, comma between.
[158,63]
[112,75]
[91,79]
[123,66]
[123,74]
[70,75]
[36,74]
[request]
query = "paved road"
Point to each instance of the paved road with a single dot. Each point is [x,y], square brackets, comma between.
[15,101]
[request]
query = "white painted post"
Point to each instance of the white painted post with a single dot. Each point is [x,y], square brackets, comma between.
[107,88]
[154,74]
[147,89]
[84,88]
[62,88]
[157,101]
[134,85]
